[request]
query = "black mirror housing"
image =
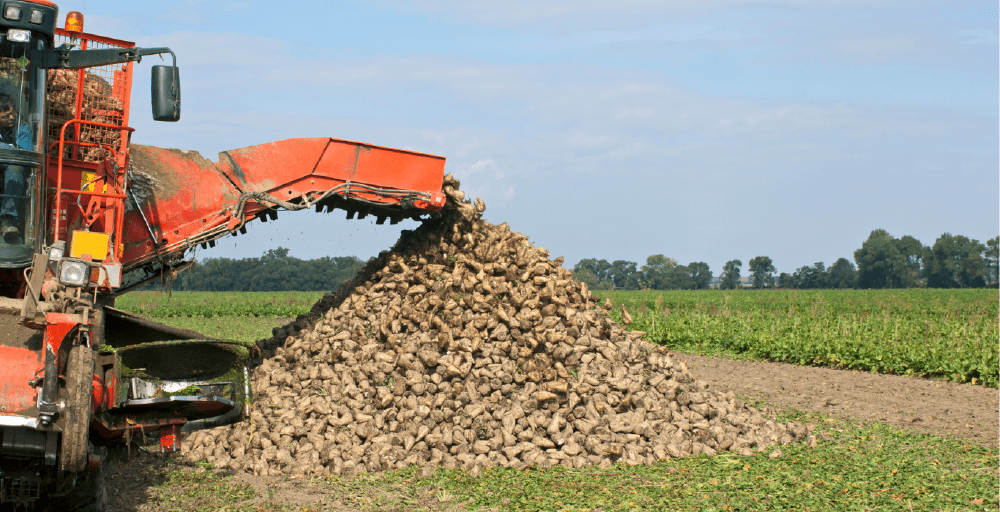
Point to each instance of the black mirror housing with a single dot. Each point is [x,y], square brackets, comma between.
[166,92]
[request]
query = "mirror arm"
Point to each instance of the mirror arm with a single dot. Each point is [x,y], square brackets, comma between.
[64,57]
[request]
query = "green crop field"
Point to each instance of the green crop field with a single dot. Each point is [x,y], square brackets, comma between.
[951,334]
[219,304]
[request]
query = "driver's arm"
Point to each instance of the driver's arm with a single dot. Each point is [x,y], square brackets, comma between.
[24,137]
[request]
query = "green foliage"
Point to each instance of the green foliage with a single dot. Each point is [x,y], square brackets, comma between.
[956,262]
[810,278]
[882,262]
[224,304]
[992,256]
[659,273]
[701,275]
[656,271]
[625,276]
[762,271]
[887,262]
[274,271]
[731,275]
[949,334]
[585,275]
[842,274]
[598,269]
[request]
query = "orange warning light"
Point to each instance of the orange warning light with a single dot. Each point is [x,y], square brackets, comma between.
[74,21]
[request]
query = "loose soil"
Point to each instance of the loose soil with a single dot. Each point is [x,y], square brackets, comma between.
[942,408]
[947,409]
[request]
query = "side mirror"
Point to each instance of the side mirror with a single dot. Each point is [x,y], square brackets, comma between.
[166,85]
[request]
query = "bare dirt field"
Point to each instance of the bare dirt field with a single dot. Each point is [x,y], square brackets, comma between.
[933,407]
[946,409]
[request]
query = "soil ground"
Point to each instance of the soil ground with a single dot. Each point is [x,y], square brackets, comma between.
[946,409]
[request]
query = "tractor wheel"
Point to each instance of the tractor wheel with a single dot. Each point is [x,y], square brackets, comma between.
[79,375]
[89,494]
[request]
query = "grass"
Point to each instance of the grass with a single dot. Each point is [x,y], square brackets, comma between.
[950,334]
[856,467]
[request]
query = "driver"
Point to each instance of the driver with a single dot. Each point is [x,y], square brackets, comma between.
[13,179]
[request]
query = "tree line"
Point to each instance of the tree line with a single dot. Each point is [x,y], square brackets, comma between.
[882,261]
[274,271]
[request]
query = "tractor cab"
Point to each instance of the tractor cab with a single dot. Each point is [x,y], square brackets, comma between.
[26,30]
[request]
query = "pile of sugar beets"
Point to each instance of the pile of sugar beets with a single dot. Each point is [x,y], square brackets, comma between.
[466,347]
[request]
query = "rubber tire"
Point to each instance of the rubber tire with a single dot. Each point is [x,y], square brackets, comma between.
[79,376]
[89,495]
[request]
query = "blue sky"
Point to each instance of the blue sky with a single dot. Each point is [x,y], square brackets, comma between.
[705,131]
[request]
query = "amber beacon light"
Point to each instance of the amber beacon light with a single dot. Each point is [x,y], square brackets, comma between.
[74,21]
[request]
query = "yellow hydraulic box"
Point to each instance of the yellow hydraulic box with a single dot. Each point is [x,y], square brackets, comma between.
[89,242]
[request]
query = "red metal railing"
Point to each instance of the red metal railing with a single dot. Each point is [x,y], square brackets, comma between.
[89,133]
[115,182]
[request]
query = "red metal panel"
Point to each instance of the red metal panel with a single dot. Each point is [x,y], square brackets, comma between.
[180,193]
[283,162]
[380,166]
[96,393]
[19,366]
[58,325]
[269,166]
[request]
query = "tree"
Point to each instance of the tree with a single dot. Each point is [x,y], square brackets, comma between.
[623,274]
[731,275]
[599,268]
[275,270]
[680,278]
[810,278]
[584,275]
[880,264]
[956,261]
[993,260]
[785,281]
[887,262]
[762,271]
[842,274]
[701,275]
[656,271]
[912,252]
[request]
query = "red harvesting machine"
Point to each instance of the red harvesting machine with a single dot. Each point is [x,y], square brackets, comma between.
[86,216]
